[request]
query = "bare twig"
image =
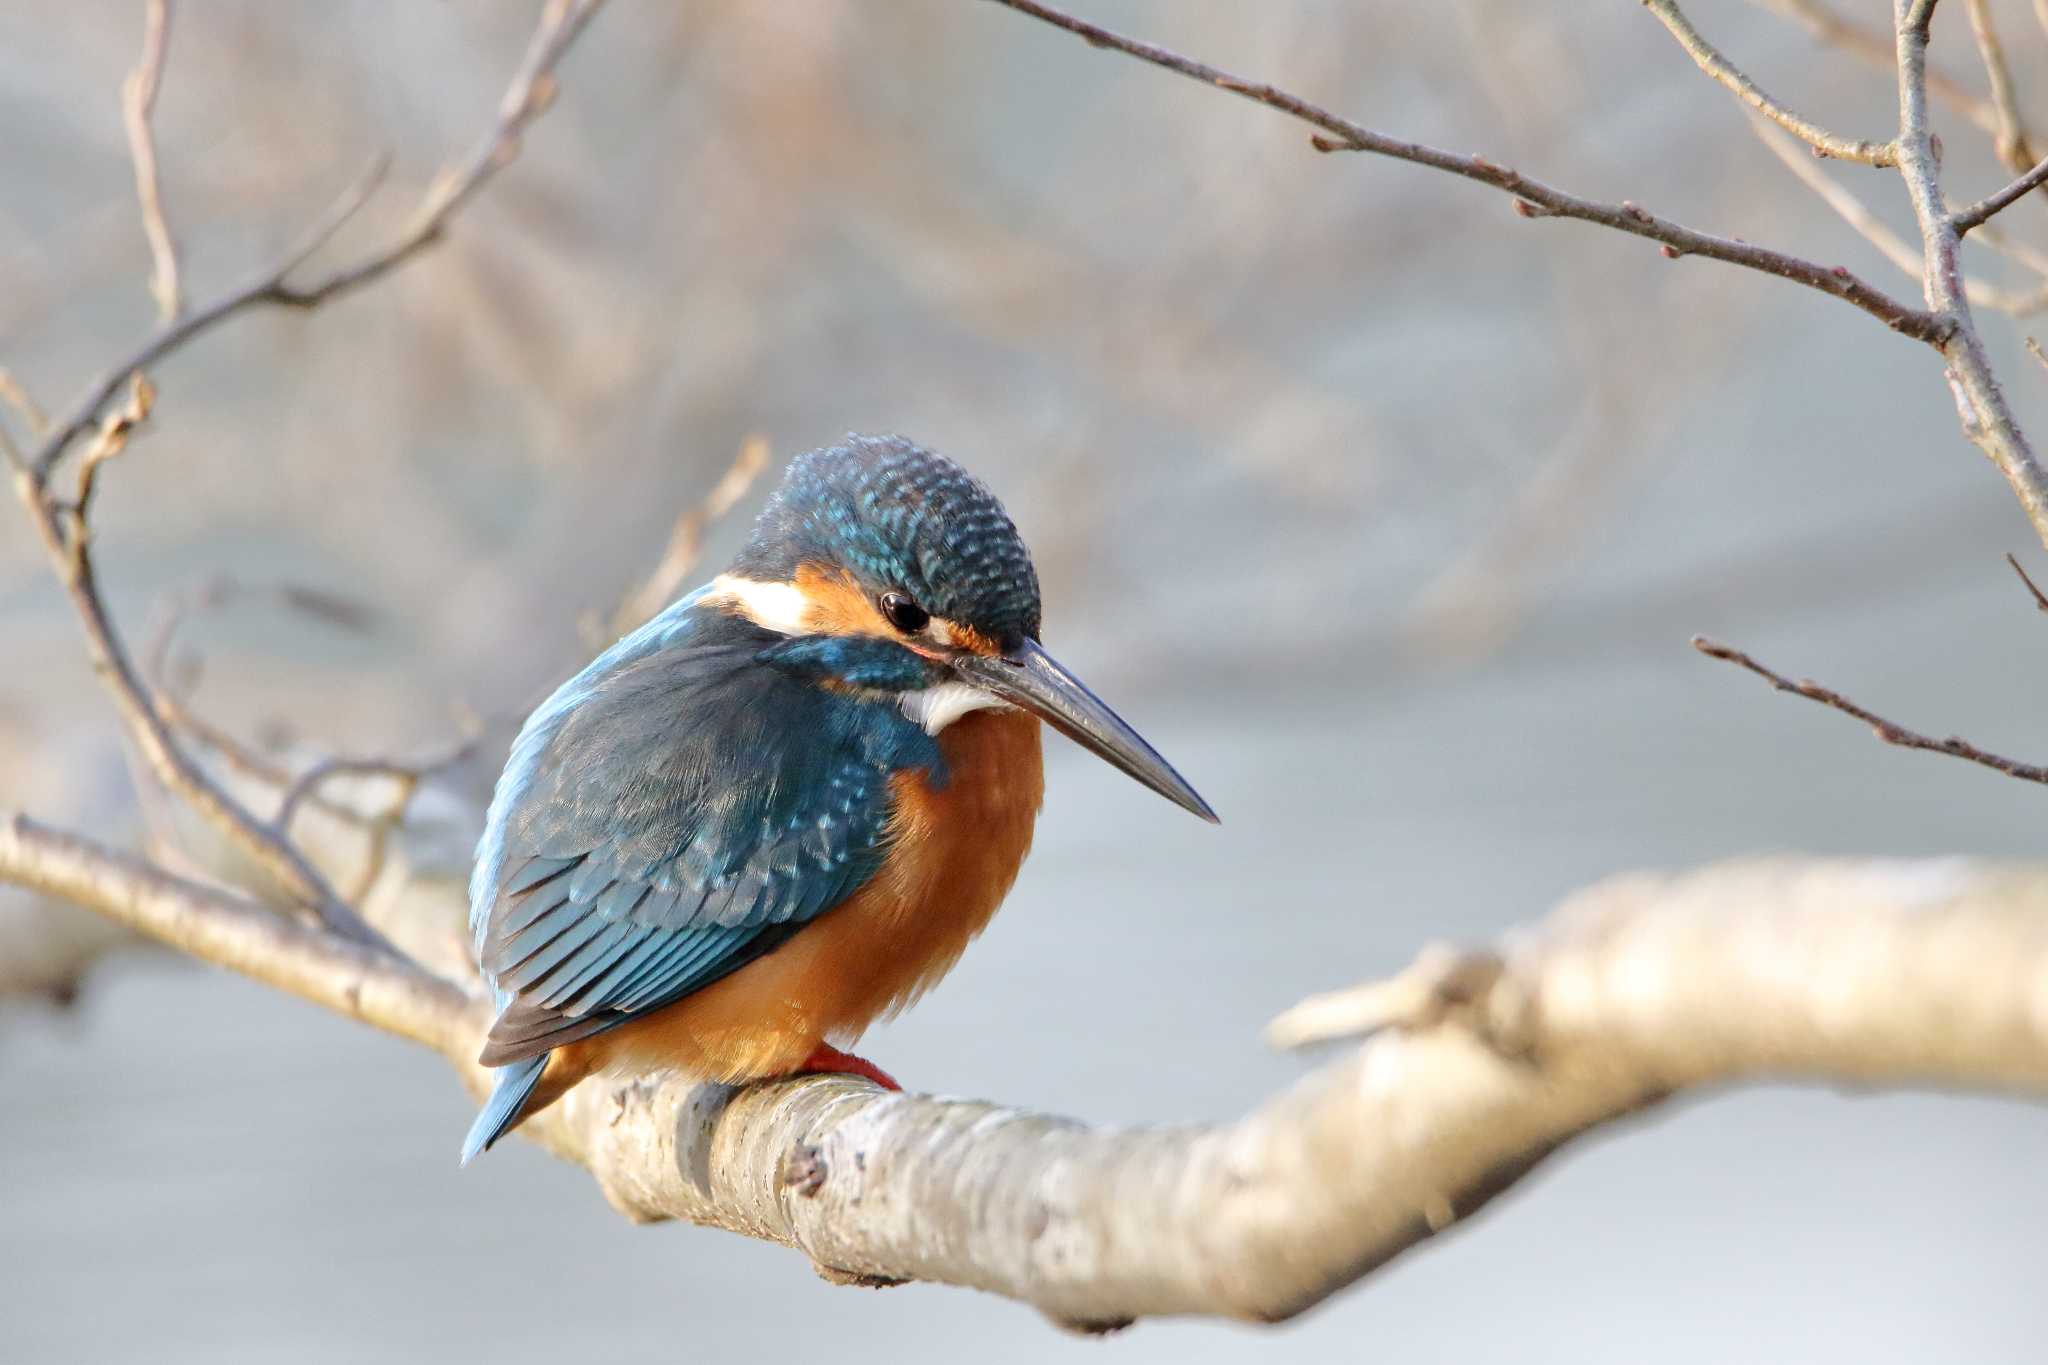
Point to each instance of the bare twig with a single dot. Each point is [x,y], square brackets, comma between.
[2010,138]
[1479,1066]
[1875,47]
[686,541]
[1872,229]
[531,91]
[2034,349]
[406,776]
[1996,202]
[1986,418]
[66,533]
[12,393]
[115,429]
[1888,731]
[67,541]
[2040,602]
[138,102]
[2031,257]
[1710,60]
[262,289]
[12,452]
[528,95]
[1533,198]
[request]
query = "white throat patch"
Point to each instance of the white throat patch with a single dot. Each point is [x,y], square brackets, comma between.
[937,707]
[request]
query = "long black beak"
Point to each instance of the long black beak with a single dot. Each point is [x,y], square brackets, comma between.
[1031,678]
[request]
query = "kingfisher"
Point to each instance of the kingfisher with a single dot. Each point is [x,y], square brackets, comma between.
[780,809]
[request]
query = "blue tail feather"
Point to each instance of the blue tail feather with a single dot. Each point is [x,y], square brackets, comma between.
[502,1109]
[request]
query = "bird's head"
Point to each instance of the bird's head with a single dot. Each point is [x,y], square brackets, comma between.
[897,576]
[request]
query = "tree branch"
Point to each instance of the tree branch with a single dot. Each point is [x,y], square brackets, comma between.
[1963,220]
[1876,48]
[1479,1065]
[528,95]
[1710,60]
[138,102]
[1894,248]
[1981,405]
[65,528]
[685,546]
[1533,198]
[2010,137]
[1888,731]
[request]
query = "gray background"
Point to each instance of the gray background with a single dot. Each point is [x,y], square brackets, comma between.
[1385,514]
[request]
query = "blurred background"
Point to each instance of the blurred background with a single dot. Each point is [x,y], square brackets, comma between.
[1385,514]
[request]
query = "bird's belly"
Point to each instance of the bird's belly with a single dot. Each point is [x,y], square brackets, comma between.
[954,852]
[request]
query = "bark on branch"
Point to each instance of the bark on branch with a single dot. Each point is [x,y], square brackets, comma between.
[1477,1066]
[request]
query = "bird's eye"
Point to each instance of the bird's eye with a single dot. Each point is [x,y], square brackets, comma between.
[904,614]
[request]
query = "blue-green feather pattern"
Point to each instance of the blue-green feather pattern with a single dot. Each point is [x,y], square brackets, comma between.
[676,810]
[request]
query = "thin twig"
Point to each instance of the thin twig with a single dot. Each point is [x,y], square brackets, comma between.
[406,775]
[261,289]
[115,428]
[1847,206]
[171,613]
[528,95]
[2010,138]
[1532,198]
[686,541]
[1888,731]
[2040,601]
[2034,349]
[531,91]
[68,543]
[66,534]
[1999,200]
[1853,211]
[13,393]
[1986,417]
[138,102]
[1876,48]
[1710,60]
[2005,244]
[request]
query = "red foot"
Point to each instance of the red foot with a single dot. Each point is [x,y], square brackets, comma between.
[830,1061]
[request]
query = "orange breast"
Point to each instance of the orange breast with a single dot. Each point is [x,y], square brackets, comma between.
[953,853]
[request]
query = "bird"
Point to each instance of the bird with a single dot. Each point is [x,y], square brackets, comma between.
[780,809]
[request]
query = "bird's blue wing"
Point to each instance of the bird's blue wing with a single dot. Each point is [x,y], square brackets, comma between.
[671,813]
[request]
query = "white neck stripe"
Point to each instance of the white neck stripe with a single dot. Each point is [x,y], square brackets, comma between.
[779,607]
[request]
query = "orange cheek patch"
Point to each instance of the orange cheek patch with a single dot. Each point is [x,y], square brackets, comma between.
[835,605]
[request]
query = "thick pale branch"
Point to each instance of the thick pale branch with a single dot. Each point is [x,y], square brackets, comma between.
[1478,1066]
[244,936]
[1533,198]
[1710,60]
